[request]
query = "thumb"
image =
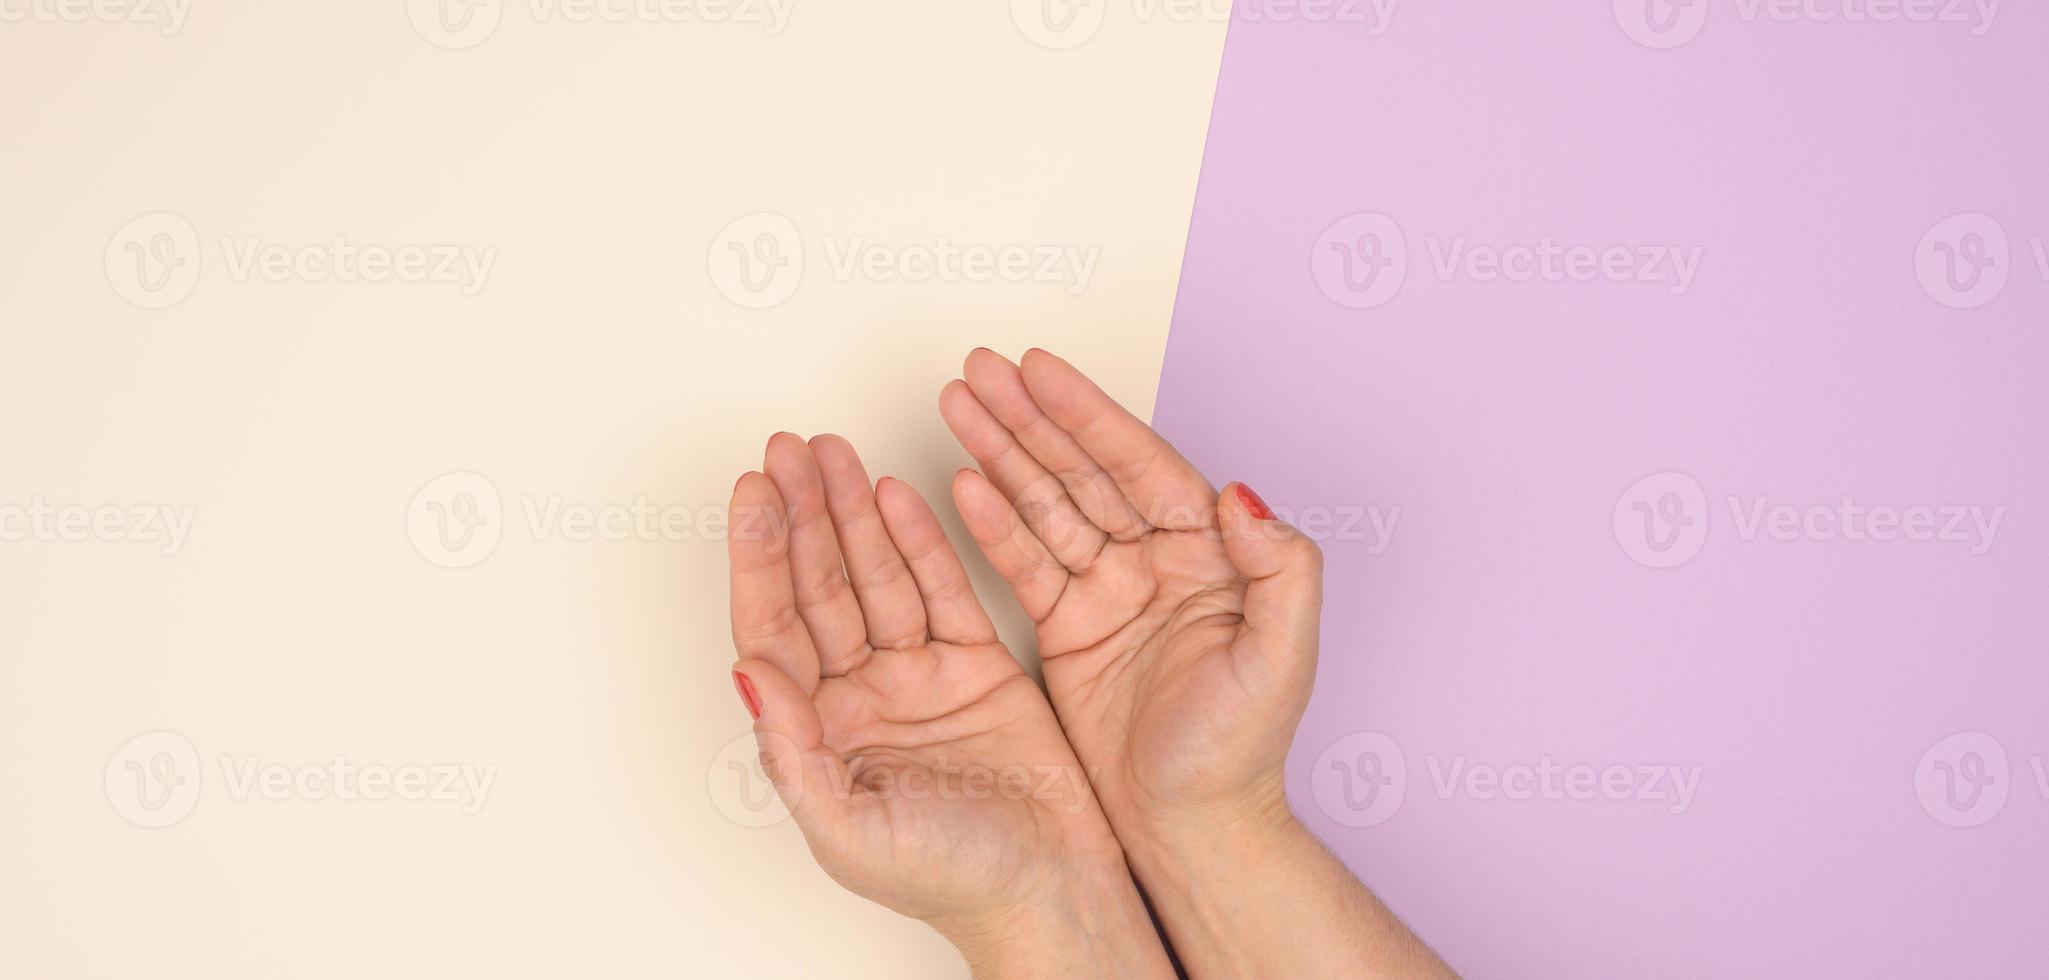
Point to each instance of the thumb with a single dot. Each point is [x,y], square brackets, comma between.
[1285,596]
[810,778]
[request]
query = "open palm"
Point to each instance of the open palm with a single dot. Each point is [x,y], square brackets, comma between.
[1177,629]
[923,765]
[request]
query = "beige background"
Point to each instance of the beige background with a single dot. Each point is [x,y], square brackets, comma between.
[303,420]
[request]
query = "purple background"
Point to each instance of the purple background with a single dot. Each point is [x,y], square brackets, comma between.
[1506,619]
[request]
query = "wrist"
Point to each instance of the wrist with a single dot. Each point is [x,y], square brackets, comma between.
[1245,889]
[1086,921]
[1242,826]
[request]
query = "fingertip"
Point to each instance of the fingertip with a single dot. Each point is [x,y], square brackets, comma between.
[839,461]
[774,698]
[753,483]
[904,510]
[785,457]
[1048,377]
[979,503]
[984,357]
[1244,498]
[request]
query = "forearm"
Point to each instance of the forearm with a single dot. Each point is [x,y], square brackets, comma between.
[1252,893]
[1095,926]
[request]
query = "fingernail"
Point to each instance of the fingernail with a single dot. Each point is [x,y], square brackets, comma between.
[747,695]
[1253,505]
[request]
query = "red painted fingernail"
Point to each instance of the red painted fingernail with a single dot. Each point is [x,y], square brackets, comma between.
[747,695]
[1253,505]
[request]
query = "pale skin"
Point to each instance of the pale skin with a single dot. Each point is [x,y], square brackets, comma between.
[1177,627]
[924,767]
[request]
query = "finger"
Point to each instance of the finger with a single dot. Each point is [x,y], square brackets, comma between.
[999,386]
[951,609]
[766,625]
[889,599]
[1038,497]
[823,597]
[1284,596]
[1035,578]
[1165,488]
[810,777]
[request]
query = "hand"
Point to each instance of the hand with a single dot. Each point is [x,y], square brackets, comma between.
[922,764]
[1177,629]
[1178,633]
